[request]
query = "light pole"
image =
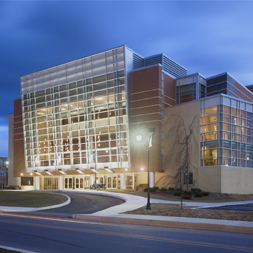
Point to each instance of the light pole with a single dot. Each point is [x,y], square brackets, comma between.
[94,159]
[151,132]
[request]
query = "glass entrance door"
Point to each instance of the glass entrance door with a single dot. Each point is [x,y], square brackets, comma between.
[68,183]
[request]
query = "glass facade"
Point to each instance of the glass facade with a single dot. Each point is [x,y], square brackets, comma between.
[75,115]
[227,135]
[221,84]
[190,88]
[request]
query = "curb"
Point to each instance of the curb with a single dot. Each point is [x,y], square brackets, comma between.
[56,206]
[164,223]
[16,249]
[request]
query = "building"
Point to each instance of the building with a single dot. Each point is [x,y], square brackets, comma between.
[76,124]
[3,172]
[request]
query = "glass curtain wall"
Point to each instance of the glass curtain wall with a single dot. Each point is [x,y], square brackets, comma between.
[78,123]
[226,136]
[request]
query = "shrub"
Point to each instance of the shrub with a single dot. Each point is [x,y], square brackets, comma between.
[190,193]
[171,189]
[146,189]
[198,194]
[178,189]
[156,188]
[187,196]
[163,189]
[205,193]
[153,189]
[177,193]
[194,190]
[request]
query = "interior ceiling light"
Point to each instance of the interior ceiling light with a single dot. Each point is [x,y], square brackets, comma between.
[38,173]
[109,170]
[49,173]
[94,170]
[79,171]
[62,172]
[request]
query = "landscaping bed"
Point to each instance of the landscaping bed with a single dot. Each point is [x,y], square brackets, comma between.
[169,195]
[176,211]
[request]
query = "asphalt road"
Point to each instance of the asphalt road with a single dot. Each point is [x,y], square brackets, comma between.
[247,207]
[52,235]
[81,204]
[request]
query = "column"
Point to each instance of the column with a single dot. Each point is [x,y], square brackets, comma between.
[92,178]
[37,183]
[151,179]
[60,183]
[122,181]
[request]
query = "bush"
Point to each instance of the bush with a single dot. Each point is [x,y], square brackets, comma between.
[163,189]
[190,193]
[178,189]
[198,194]
[187,196]
[177,193]
[156,188]
[171,189]
[150,189]
[194,190]
[205,193]
[153,189]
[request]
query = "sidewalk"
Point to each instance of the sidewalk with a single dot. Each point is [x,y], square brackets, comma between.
[115,214]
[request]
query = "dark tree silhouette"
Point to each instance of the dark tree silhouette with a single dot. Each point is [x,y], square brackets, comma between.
[182,144]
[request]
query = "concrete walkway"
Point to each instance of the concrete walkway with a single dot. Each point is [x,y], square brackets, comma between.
[115,214]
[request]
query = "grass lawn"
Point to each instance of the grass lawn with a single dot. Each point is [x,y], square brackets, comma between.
[30,199]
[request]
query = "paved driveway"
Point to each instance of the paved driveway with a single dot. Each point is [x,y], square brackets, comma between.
[81,204]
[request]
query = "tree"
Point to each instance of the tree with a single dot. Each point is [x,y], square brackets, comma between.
[182,142]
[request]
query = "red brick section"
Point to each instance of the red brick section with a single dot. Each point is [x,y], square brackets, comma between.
[146,106]
[18,149]
[146,102]
[243,92]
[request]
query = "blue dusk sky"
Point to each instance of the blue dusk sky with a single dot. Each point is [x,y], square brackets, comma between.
[209,37]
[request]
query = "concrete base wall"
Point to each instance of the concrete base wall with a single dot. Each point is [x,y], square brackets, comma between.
[224,179]
[208,178]
[236,180]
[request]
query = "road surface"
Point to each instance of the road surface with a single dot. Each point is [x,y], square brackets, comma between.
[52,235]
[81,204]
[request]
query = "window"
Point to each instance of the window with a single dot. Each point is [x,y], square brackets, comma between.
[26,180]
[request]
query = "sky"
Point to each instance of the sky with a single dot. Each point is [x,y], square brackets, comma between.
[209,37]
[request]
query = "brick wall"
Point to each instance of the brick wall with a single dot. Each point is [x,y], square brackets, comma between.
[18,148]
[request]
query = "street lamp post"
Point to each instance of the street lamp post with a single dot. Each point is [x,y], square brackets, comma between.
[151,132]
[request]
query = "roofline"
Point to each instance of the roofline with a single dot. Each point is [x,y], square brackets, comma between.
[146,67]
[227,73]
[194,74]
[77,60]
[167,57]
